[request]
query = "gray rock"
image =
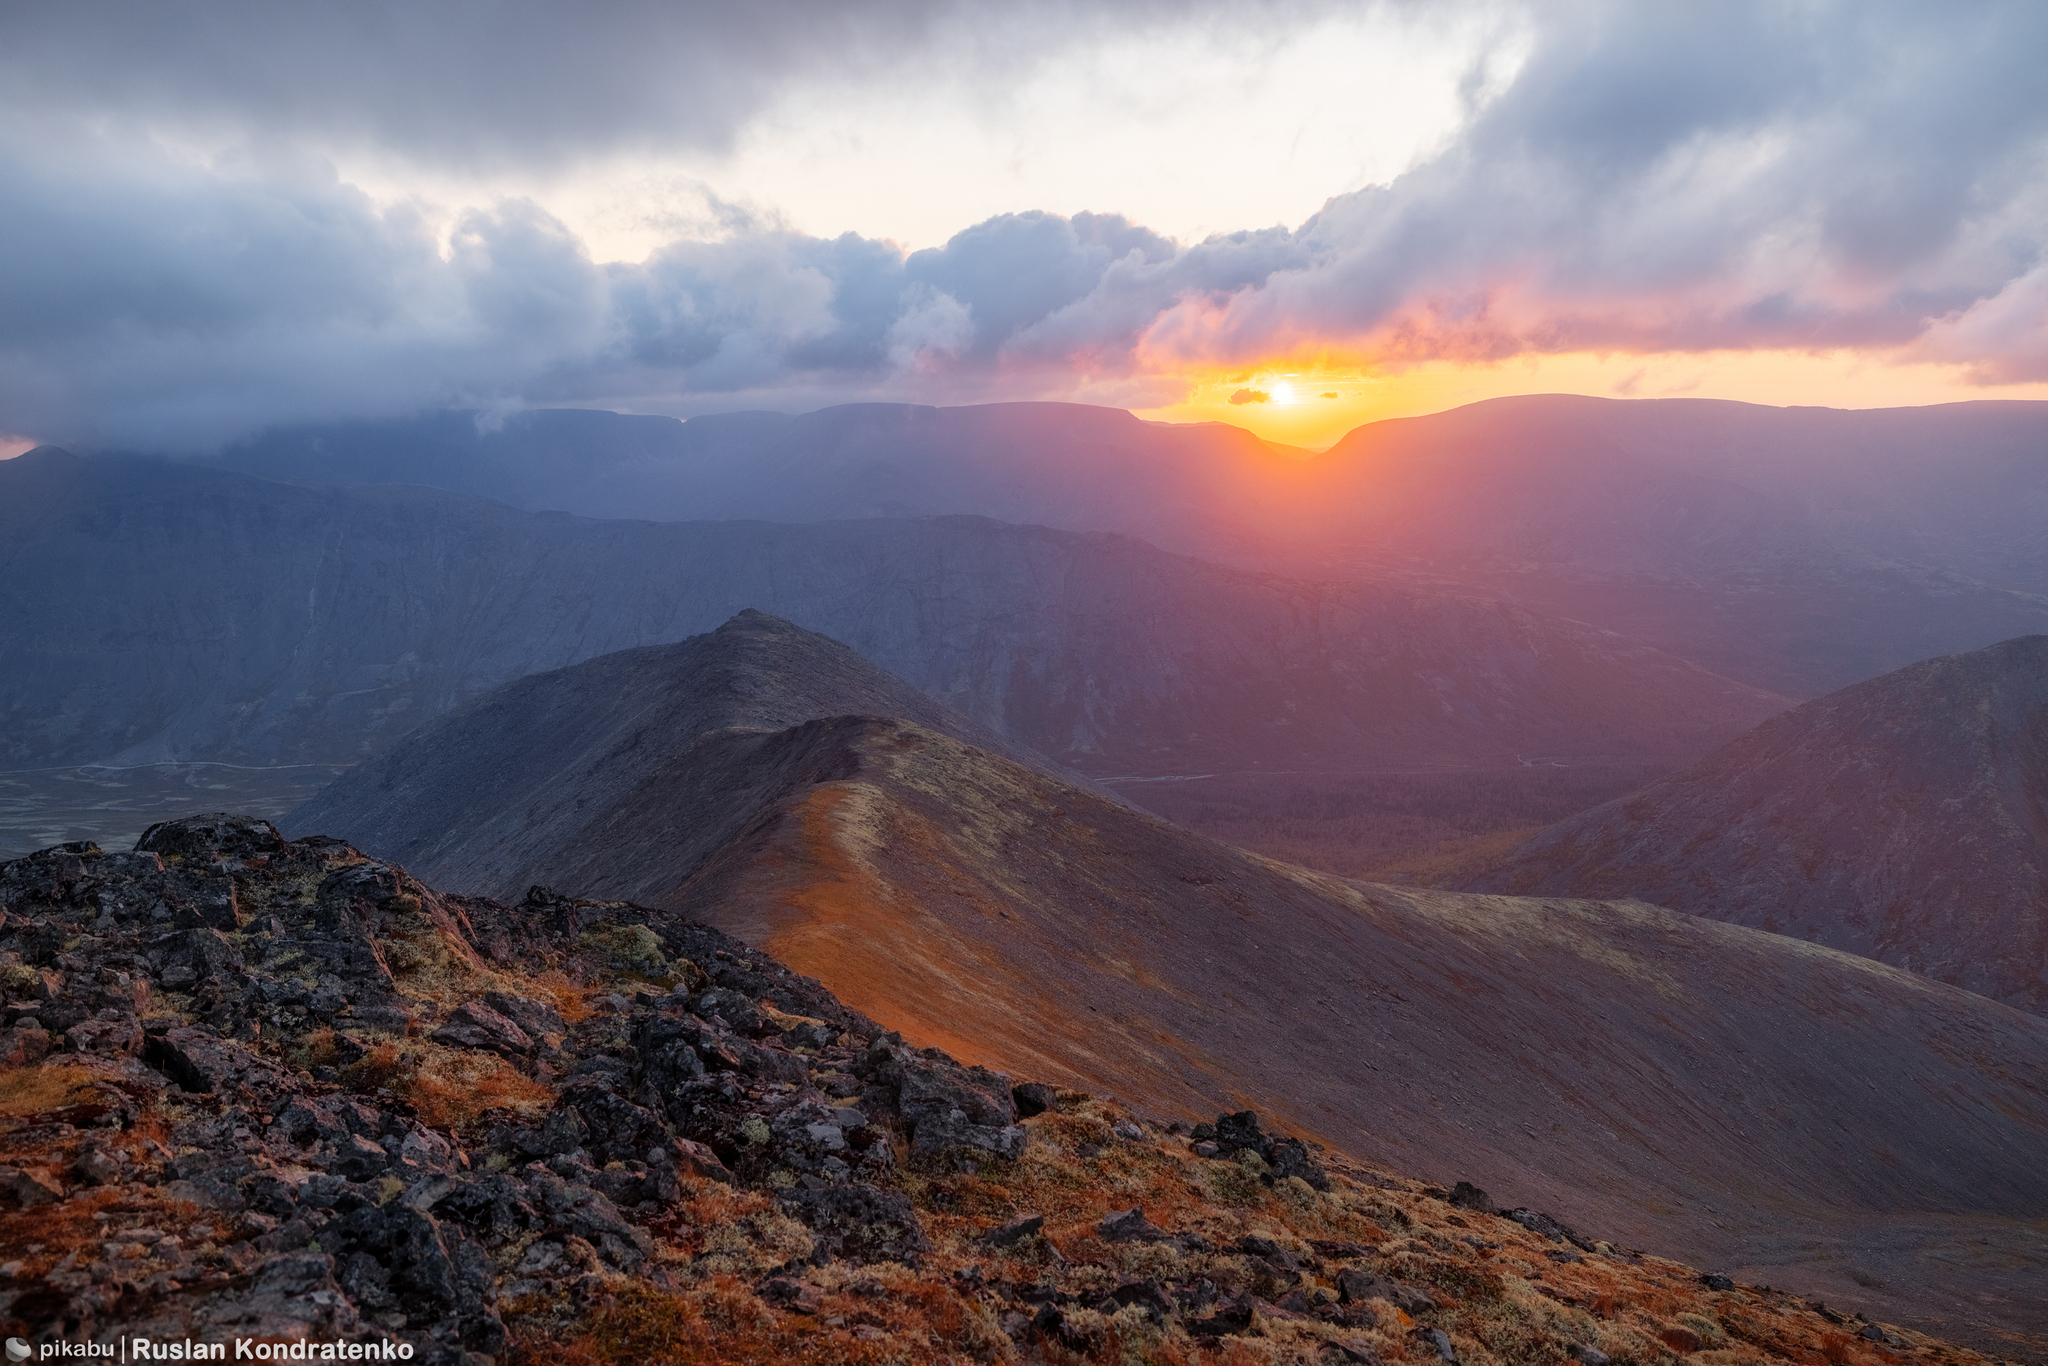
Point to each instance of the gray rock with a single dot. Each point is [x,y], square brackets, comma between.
[29,1189]
[1438,1342]
[1468,1196]
[205,1063]
[1130,1226]
[937,1132]
[1034,1098]
[1003,1235]
[475,1025]
[536,1018]
[861,1222]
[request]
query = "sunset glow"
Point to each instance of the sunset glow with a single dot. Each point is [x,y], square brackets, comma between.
[1369,212]
[1321,405]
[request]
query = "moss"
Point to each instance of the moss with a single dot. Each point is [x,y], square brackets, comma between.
[450,1088]
[1232,1184]
[635,947]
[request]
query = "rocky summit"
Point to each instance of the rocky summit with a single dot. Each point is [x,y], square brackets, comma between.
[255,1092]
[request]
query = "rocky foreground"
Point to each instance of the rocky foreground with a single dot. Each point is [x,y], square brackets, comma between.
[253,1090]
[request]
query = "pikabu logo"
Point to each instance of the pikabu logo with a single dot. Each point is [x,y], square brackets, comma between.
[18,1349]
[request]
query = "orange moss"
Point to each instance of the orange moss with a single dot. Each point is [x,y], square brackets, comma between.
[58,1084]
[450,1088]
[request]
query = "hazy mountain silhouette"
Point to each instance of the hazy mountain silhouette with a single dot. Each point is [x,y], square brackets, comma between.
[1905,819]
[1799,549]
[1702,1087]
[1065,465]
[156,610]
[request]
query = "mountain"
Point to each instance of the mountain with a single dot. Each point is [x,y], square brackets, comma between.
[1705,1090]
[630,736]
[158,611]
[1798,549]
[596,1132]
[1904,819]
[1065,465]
[1609,486]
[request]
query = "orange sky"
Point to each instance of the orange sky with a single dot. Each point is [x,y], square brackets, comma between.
[1843,379]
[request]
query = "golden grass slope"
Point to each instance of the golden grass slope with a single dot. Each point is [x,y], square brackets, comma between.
[1709,1091]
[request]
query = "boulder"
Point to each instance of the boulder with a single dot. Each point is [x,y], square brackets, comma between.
[474,1024]
[860,1222]
[1016,1230]
[204,1063]
[937,1132]
[1465,1195]
[1437,1343]
[1033,1098]
[1130,1226]
[537,1018]
[211,838]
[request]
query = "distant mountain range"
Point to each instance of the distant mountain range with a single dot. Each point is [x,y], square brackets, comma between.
[157,610]
[1904,819]
[1798,549]
[1705,1088]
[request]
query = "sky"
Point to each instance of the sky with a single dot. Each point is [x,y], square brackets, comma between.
[1293,216]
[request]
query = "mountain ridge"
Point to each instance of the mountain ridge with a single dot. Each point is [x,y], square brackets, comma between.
[629,733]
[1621,1064]
[1905,819]
[1797,549]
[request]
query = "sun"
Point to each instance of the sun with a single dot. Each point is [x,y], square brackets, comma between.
[1282,392]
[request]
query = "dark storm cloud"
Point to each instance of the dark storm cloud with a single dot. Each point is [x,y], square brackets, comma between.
[1655,177]
[522,82]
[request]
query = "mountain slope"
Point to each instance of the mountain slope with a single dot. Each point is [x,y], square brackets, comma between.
[1904,819]
[159,611]
[627,738]
[595,1132]
[1703,1089]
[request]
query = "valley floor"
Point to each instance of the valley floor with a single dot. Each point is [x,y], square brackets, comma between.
[112,806]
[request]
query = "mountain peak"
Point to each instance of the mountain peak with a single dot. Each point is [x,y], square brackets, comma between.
[543,762]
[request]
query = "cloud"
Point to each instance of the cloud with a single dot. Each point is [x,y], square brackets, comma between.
[1685,178]
[933,326]
[481,83]
[1648,178]
[1243,396]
